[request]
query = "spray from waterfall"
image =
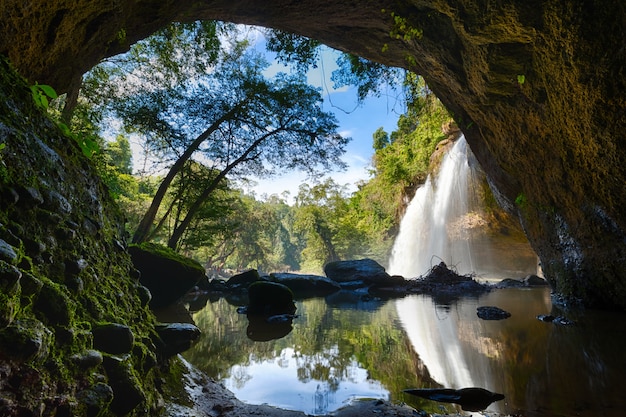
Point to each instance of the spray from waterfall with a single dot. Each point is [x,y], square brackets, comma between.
[433,227]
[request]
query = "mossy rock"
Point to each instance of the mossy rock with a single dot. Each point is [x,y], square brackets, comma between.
[165,273]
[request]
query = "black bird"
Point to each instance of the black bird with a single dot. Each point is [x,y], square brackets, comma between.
[470,399]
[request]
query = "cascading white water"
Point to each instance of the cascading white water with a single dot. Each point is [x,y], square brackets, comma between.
[430,231]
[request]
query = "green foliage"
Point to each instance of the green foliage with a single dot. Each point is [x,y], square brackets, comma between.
[521,79]
[404,30]
[42,94]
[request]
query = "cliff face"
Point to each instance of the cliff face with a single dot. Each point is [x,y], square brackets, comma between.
[538,88]
[76,335]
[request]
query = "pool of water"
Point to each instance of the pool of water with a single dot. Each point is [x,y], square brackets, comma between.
[342,348]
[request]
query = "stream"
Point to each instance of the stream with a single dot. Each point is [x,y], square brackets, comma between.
[345,347]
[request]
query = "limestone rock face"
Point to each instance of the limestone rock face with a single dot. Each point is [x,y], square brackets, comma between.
[537,88]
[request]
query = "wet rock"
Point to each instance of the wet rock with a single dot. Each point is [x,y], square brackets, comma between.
[244,279]
[177,337]
[95,399]
[270,298]
[56,202]
[127,391]
[306,286]
[26,341]
[492,313]
[560,320]
[113,338]
[144,295]
[31,285]
[7,253]
[75,266]
[354,270]
[88,359]
[510,283]
[534,281]
[470,399]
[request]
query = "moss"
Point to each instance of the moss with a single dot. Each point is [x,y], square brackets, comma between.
[165,252]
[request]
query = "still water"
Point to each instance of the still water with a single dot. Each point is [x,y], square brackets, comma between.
[343,348]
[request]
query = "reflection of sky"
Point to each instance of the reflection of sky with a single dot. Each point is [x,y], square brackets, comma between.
[277,382]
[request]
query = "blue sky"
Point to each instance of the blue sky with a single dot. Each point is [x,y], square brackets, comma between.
[357,121]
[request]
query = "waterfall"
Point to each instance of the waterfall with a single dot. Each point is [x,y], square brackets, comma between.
[432,229]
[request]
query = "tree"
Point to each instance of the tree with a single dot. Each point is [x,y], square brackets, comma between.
[237,121]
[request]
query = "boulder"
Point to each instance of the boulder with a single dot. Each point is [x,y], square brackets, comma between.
[534,281]
[243,280]
[113,338]
[176,337]
[306,286]
[492,313]
[366,270]
[269,298]
[165,273]
[470,399]
[26,341]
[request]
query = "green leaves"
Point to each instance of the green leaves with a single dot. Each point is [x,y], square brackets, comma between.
[41,93]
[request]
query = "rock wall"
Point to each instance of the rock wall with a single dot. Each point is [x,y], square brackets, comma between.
[536,86]
[76,336]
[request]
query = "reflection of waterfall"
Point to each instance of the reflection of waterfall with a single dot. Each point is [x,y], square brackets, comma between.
[432,228]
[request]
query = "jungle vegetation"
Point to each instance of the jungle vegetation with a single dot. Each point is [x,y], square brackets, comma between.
[196,99]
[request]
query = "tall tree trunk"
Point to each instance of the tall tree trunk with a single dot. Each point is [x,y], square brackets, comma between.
[143,230]
[195,207]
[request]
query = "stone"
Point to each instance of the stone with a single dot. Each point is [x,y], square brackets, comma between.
[75,266]
[560,320]
[26,340]
[470,399]
[95,399]
[510,283]
[144,295]
[176,337]
[534,281]
[492,313]
[127,391]
[88,359]
[165,273]
[113,338]
[355,270]
[7,253]
[244,279]
[306,286]
[270,298]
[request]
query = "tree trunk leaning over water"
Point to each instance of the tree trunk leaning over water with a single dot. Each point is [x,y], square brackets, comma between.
[536,86]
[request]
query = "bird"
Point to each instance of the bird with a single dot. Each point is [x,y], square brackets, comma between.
[470,399]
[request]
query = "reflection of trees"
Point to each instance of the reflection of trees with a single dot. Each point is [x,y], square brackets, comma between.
[328,345]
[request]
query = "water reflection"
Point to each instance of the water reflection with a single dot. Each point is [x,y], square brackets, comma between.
[339,351]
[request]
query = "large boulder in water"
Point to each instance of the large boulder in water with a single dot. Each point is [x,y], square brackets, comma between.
[243,279]
[270,298]
[165,273]
[305,286]
[367,270]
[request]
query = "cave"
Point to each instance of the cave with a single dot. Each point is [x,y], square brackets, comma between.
[536,86]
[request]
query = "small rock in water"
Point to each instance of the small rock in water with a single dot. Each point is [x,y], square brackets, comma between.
[563,321]
[492,313]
